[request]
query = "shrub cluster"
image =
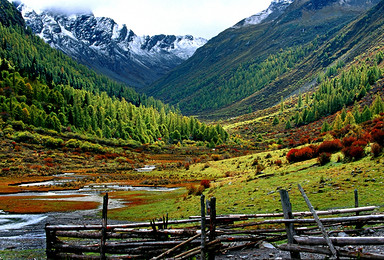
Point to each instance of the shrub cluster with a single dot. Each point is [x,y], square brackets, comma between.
[330,146]
[195,189]
[302,154]
[376,149]
[35,138]
[351,147]
[324,158]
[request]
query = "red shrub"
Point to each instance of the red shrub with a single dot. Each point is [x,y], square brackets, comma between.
[353,152]
[330,146]
[187,165]
[378,136]
[361,143]
[348,141]
[324,158]
[302,154]
[376,149]
[48,160]
[278,162]
[205,183]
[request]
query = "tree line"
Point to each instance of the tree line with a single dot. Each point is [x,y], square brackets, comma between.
[42,87]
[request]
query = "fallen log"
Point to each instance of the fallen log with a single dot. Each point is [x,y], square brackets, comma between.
[326,251]
[340,241]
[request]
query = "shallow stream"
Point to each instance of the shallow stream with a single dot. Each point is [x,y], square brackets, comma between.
[26,231]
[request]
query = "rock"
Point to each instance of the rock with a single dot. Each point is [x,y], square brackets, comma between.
[267,245]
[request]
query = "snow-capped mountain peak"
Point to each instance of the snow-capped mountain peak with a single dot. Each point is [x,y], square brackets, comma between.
[273,11]
[111,48]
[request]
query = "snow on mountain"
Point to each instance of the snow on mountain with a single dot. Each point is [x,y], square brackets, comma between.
[110,48]
[272,12]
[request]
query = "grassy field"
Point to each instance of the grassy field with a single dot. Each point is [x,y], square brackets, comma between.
[240,188]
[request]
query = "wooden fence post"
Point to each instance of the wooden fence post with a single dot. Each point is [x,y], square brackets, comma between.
[287,211]
[358,225]
[104,227]
[203,234]
[319,224]
[50,240]
[212,226]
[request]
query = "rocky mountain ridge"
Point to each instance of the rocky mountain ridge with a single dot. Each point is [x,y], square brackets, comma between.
[110,48]
[275,9]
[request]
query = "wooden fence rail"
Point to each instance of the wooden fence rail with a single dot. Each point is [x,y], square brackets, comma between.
[208,234]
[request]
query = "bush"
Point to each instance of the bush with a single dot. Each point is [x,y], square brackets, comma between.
[195,190]
[73,143]
[330,146]
[279,162]
[360,143]
[353,152]
[302,154]
[52,142]
[378,136]
[348,141]
[25,137]
[324,158]
[18,125]
[376,149]
[205,183]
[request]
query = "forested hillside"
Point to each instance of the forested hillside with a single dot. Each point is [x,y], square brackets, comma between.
[250,68]
[42,88]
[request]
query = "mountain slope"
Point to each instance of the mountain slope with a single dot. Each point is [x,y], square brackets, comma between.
[111,49]
[41,88]
[238,63]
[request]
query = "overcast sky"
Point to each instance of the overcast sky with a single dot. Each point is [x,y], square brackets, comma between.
[202,18]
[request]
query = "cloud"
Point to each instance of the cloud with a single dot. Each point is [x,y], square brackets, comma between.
[198,17]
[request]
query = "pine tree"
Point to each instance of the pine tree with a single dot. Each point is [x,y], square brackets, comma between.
[288,125]
[325,127]
[282,104]
[366,114]
[275,121]
[343,114]
[377,106]
[349,119]
[337,123]
[300,101]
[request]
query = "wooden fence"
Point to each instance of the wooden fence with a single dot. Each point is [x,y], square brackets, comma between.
[209,234]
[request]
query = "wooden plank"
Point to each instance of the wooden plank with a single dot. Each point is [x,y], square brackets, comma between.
[219,218]
[340,241]
[295,214]
[176,247]
[319,224]
[287,210]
